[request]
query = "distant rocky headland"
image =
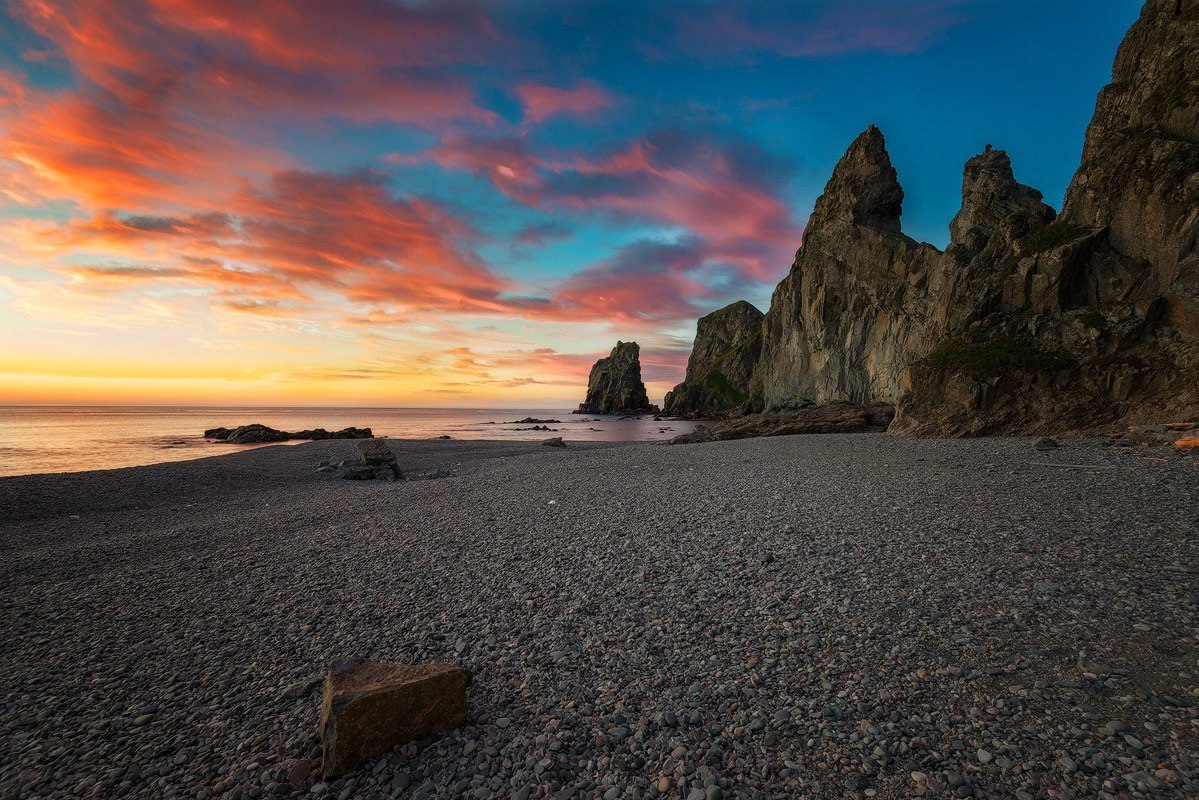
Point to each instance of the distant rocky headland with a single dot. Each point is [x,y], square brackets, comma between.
[1030,322]
[262,434]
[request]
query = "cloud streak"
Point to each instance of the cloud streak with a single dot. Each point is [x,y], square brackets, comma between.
[749,30]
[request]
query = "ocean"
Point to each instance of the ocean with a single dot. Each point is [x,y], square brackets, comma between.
[38,439]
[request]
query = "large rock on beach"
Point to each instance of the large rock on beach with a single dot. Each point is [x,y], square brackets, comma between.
[374,452]
[370,708]
[318,434]
[615,385]
[721,366]
[375,461]
[829,418]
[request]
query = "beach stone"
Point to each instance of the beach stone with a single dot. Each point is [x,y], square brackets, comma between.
[299,771]
[370,708]
[355,471]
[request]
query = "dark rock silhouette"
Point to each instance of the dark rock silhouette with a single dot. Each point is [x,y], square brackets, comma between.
[615,385]
[261,434]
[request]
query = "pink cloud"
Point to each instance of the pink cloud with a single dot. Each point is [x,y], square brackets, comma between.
[645,283]
[722,190]
[505,161]
[542,102]
[178,98]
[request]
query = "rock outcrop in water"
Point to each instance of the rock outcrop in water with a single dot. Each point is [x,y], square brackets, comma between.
[263,434]
[727,345]
[1029,322]
[615,385]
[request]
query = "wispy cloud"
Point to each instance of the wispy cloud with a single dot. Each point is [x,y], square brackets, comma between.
[748,30]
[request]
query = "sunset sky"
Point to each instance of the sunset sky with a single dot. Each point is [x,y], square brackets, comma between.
[376,202]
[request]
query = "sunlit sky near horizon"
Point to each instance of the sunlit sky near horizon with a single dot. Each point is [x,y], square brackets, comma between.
[374,202]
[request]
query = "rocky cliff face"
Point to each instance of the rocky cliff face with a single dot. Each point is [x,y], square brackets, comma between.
[1029,322]
[727,345]
[854,307]
[615,386]
[1092,321]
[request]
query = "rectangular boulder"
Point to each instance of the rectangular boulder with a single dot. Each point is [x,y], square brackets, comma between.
[370,708]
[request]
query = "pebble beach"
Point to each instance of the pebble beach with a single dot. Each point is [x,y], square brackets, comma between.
[841,616]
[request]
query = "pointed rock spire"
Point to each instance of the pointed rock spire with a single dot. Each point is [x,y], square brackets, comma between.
[615,385]
[991,194]
[864,189]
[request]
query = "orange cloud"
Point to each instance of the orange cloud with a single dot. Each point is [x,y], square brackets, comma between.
[303,230]
[111,153]
[176,100]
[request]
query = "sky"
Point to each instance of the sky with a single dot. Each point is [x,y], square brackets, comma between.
[377,202]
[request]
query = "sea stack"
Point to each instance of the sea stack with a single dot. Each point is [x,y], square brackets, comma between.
[615,386]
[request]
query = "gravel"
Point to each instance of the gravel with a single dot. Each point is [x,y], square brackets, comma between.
[823,616]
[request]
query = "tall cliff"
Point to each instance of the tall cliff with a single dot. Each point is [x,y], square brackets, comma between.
[863,300]
[1094,320]
[1029,321]
[853,308]
[728,343]
[615,386]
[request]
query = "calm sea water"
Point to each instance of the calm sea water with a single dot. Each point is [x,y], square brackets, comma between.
[74,438]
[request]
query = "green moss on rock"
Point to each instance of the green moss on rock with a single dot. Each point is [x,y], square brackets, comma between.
[995,357]
[1055,235]
[715,382]
[1116,360]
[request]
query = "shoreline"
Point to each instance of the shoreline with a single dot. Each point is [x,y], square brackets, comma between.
[634,616]
[46,441]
